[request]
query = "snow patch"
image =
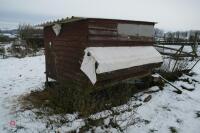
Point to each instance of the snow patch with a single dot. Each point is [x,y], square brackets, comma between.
[109,59]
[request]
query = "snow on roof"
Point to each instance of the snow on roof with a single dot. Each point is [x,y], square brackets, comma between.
[116,58]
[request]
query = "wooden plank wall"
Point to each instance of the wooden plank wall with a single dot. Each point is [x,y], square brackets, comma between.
[104,33]
[67,51]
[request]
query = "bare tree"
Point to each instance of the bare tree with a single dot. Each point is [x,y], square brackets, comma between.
[158,32]
[29,34]
[25,30]
[169,36]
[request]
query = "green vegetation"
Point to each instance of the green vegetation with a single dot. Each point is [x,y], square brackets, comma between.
[2,51]
[84,100]
[173,130]
[5,38]
[71,98]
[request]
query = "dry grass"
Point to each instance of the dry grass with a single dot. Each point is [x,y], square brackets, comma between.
[67,99]
[172,70]
[70,98]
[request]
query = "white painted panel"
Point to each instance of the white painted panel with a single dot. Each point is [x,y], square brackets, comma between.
[56,29]
[128,29]
[146,30]
[135,30]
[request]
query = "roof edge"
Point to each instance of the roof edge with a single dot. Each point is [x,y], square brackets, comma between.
[75,18]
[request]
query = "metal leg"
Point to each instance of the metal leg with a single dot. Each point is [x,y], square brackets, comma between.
[47,80]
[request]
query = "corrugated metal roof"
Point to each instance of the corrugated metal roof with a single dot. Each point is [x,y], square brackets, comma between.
[63,20]
[73,19]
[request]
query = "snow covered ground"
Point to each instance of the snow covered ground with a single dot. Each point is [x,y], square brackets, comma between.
[164,113]
[168,110]
[17,76]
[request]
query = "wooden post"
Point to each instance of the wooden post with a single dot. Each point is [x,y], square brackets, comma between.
[194,65]
[47,79]
[178,90]
[177,57]
[194,45]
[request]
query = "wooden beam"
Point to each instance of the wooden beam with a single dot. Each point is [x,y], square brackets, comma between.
[175,43]
[186,53]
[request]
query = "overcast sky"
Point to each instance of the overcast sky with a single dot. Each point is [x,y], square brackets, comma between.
[170,14]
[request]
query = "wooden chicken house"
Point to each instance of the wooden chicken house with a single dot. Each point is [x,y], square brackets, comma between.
[94,51]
